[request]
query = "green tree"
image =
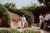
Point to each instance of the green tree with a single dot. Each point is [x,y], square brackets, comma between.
[30,8]
[5,13]
[46,2]
[10,6]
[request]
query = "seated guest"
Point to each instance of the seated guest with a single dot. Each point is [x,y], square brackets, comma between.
[49,17]
[46,19]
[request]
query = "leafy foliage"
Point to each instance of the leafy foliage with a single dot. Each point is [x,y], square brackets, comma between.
[28,31]
[29,8]
[10,30]
[46,2]
[5,12]
[10,6]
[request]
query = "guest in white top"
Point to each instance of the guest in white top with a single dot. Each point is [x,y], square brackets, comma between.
[23,20]
[47,17]
[40,18]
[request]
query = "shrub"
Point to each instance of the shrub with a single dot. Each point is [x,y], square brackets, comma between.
[5,12]
[10,30]
[28,31]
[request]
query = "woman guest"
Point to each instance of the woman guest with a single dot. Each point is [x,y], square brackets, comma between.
[23,20]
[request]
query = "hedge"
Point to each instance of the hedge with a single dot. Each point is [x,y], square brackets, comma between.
[10,30]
